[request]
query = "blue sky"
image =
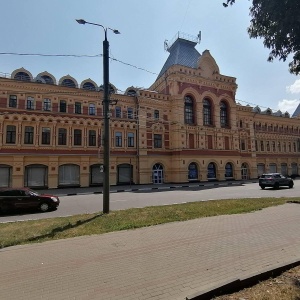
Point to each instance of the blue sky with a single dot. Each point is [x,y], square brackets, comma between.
[49,27]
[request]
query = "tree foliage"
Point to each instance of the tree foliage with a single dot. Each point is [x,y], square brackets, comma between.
[278,23]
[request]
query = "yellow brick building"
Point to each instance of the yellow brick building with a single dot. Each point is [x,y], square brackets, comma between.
[186,127]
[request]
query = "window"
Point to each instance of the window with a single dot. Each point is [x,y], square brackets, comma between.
[118,136]
[77,107]
[10,134]
[193,171]
[228,170]
[130,139]
[243,145]
[157,141]
[28,137]
[30,103]
[118,112]
[92,109]
[268,146]
[129,113]
[156,115]
[262,146]
[77,137]
[47,105]
[223,114]
[207,112]
[89,86]
[62,136]
[46,135]
[63,106]
[273,146]
[69,83]
[12,101]
[22,76]
[188,110]
[92,137]
[279,147]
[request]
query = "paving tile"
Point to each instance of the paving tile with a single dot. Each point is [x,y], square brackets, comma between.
[169,261]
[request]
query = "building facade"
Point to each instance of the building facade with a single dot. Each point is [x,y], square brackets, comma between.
[186,127]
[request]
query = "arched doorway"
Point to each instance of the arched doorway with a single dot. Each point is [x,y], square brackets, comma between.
[211,171]
[158,174]
[69,175]
[193,172]
[228,171]
[36,176]
[244,171]
[96,174]
[5,175]
[124,174]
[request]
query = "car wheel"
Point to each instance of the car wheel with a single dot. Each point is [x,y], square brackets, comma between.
[262,187]
[44,207]
[291,184]
[276,186]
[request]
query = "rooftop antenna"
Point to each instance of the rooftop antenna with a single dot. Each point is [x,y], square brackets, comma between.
[199,37]
[166,45]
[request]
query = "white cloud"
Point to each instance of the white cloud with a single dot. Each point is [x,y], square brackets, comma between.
[294,88]
[288,105]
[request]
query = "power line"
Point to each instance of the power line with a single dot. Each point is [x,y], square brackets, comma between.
[77,56]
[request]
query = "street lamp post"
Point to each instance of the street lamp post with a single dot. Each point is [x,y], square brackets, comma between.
[106,102]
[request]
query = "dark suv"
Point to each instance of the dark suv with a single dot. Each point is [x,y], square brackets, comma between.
[275,180]
[25,198]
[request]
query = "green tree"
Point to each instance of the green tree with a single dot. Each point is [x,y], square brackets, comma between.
[277,22]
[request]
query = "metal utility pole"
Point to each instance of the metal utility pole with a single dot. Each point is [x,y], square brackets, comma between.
[106,115]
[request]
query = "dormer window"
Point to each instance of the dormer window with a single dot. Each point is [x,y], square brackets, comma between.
[69,83]
[22,76]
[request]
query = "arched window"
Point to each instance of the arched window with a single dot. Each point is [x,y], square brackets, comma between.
[22,76]
[224,114]
[207,112]
[69,83]
[228,171]
[189,110]
[211,171]
[48,79]
[89,86]
[193,171]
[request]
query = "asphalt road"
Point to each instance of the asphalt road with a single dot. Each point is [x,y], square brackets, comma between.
[90,203]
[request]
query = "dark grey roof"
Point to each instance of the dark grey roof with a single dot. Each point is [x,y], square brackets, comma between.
[182,52]
[296,112]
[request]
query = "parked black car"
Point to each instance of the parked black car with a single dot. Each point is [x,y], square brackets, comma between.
[275,180]
[25,198]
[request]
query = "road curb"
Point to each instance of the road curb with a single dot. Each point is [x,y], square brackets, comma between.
[236,284]
[213,184]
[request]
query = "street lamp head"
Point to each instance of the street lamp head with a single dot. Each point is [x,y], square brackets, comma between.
[80,21]
[116,31]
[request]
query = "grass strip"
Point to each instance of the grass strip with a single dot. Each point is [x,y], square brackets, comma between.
[25,232]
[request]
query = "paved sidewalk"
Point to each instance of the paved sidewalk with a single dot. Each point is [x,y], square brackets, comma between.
[170,261]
